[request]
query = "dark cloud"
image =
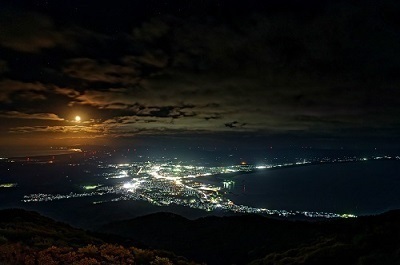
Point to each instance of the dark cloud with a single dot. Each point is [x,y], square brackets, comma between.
[234,124]
[28,32]
[325,69]
[31,32]
[69,92]
[93,71]
[3,66]
[11,88]
[38,116]
[105,99]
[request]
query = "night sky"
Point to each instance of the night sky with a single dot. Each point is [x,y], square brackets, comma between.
[257,74]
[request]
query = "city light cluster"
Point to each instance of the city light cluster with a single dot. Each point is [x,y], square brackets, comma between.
[171,183]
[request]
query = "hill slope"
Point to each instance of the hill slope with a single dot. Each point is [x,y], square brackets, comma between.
[29,238]
[261,240]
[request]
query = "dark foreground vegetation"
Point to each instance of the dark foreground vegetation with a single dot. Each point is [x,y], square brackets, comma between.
[29,238]
[260,240]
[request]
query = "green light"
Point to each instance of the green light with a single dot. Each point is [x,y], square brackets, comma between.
[8,185]
[347,215]
[90,187]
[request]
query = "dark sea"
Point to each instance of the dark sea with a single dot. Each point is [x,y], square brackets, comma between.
[360,188]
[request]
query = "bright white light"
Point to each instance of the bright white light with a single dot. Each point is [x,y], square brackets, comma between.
[77,118]
[131,185]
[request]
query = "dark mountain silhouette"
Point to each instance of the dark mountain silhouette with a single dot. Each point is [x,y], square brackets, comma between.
[261,240]
[29,238]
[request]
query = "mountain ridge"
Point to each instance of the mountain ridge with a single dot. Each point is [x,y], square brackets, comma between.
[27,237]
[166,238]
[248,238]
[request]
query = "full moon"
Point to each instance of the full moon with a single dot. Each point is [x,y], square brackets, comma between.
[77,118]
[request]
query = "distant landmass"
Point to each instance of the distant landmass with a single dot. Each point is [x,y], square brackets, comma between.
[37,153]
[29,238]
